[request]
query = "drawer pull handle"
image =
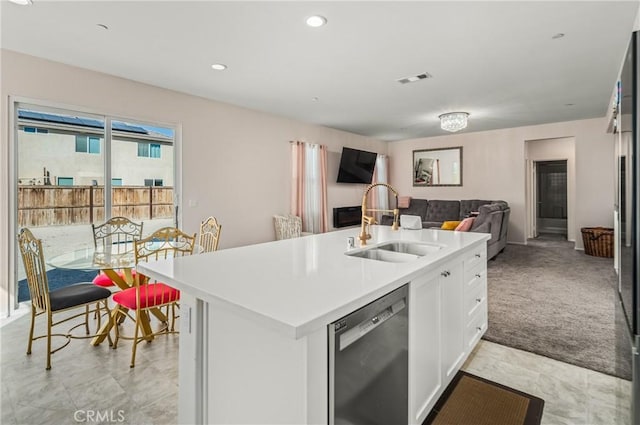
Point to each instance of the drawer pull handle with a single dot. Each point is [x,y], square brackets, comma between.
[478,300]
[478,255]
[479,328]
[478,275]
[445,273]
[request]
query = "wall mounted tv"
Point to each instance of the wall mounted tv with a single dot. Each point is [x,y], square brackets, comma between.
[356,166]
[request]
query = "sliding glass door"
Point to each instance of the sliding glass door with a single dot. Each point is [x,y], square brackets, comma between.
[76,169]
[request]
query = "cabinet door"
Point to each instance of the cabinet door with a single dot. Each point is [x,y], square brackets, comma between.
[453,319]
[425,377]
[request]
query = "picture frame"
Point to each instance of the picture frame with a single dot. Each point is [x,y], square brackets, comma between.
[437,167]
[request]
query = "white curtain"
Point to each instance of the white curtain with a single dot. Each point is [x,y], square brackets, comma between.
[309,184]
[380,195]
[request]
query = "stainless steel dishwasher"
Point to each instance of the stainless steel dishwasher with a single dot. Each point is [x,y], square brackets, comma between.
[368,363]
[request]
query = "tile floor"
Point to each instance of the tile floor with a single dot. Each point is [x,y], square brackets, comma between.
[572,395]
[86,380]
[86,384]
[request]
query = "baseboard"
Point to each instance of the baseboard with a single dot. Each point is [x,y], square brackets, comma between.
[516,243]
[23,309]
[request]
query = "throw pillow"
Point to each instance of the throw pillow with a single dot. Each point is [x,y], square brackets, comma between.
[449,225]
[465,224]
[403,201]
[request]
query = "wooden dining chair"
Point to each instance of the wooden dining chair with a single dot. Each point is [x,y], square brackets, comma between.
[116,236]
[209,235]
[147,296]
[44,301]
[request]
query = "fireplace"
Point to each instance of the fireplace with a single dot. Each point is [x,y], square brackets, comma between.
[347,216]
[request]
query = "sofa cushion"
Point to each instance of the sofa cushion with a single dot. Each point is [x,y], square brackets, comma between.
[416,207]
[432,224]
[443,210]
[469,205]
[450,225]
[404,201]
[465,225]
[489,220]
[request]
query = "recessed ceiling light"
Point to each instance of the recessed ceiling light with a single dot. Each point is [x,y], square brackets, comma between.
[558,35]
[102,26]
[315,99]
[22,2]
[569,104]
[316,21]
[219,66]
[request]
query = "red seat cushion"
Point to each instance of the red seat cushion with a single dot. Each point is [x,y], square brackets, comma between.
[103,280]
[151,295]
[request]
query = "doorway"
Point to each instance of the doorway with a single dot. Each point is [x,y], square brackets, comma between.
[551,197]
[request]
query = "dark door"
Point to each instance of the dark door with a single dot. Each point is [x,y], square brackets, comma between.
[552,196]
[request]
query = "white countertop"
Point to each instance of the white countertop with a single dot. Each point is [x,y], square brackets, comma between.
[299,285]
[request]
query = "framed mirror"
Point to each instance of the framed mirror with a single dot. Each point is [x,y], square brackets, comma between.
[437,167]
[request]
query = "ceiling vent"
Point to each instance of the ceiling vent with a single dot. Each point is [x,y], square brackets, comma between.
[418,77]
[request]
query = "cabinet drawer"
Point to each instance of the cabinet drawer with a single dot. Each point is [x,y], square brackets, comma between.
[476,327]
[474,277]
[475,256]
[474,301]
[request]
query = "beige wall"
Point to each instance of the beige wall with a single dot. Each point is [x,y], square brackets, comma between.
[493,167]
[235,161]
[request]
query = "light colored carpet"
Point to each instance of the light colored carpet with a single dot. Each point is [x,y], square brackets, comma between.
[549,299]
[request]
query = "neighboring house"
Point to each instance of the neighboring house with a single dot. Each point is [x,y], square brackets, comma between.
[69,151]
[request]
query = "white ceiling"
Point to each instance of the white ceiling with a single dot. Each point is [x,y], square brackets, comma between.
[495,60]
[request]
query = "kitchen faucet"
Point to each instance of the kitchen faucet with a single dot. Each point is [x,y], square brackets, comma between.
[368,220]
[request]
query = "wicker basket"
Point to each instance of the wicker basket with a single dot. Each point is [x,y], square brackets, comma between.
[598,241]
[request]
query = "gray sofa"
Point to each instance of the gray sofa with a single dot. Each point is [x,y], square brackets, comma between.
[493,217]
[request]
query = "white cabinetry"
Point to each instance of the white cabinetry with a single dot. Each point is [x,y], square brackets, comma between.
[453,343]
[475,296]
[448,315]
[424,338]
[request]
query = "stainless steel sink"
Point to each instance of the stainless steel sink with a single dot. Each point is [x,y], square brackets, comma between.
[396,252]
[374,253]
[419,249]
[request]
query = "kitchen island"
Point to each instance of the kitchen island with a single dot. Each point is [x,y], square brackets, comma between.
[253,327]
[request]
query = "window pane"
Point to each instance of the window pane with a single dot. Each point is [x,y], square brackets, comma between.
[131,145]
[81,143]
[29,129]
[116,182]
[65,181]
[94,145]
[154,150]
[143,149]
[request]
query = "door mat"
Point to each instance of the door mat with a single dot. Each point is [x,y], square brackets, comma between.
[471,400]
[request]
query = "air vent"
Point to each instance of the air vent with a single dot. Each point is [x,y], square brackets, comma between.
[418,77]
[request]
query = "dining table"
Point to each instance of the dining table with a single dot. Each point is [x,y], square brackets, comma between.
[110,260]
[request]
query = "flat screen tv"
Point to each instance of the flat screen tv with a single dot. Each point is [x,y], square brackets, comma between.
[356,166]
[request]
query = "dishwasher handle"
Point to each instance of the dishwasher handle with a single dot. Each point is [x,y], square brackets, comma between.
[361,329]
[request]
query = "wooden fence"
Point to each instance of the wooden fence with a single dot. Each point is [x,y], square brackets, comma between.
[64,205]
